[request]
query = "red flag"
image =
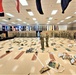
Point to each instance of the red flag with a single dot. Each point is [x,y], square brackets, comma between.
[1,9]
[17,6]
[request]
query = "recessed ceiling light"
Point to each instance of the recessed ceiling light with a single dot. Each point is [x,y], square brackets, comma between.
[13,22]
[58,1]
[54,12]
[9,14]
[36,22]
[9,24]
[34,19]
[48,21]
[74,21]
[50,18]
[24,22]
[69,22]
[30,13]
[23,2]
[18,24]
[58,23]
[5,20]
[75,13]
[62,21]
[19,19]
[27,24]
[68,17]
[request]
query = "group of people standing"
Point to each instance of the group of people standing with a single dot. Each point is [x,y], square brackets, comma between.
[42,41]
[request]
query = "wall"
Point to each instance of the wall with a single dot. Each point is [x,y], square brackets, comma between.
[62,27]
[72,26]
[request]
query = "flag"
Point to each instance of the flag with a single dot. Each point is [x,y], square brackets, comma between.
[1,9]
[18,6]
[64,4]
[39,7]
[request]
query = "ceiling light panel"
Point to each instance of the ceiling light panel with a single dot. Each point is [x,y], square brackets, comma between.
[62,21]
[5,20]
[36,22]
[75,13]
[34,19]
[68,17]
[9,14]
[13,22]
[74,21]
[54,12]
[24,22]
[30,13]
[19,19]
[50,18]
[69,23]
[23,2]
[58,1]
[58,23]
[27,23]
[48,21]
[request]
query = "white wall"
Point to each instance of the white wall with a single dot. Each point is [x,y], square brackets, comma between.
[62,27]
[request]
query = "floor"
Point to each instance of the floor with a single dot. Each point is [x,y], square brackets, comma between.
[18,62]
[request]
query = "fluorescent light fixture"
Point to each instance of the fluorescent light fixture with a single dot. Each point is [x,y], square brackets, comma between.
[75,13]
[54,12]
[5,20]
[50,18]
[27,24]
[13,22]
[18,24]
[58,1]
[24,22]
[9,14]
[68,17]
[19,19]
[9,24]
[58,23]
[34,19]
[74,21]
[36,22]
[69,22]
[23,2]
[48,21]
[30,13]
[62,21]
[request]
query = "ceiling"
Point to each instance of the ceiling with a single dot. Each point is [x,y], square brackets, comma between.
[47,5]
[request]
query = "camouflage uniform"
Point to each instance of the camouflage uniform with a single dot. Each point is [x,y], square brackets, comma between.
[42,42]
[47,37]
[75,35]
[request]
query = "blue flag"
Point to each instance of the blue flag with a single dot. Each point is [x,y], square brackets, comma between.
[64,4]
[39,7]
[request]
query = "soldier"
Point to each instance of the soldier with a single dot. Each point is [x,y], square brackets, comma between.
[47,37]
[42,41]
[75,35]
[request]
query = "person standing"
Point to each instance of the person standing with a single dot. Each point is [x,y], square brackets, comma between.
[47,38]
[42,42]
[75,35]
